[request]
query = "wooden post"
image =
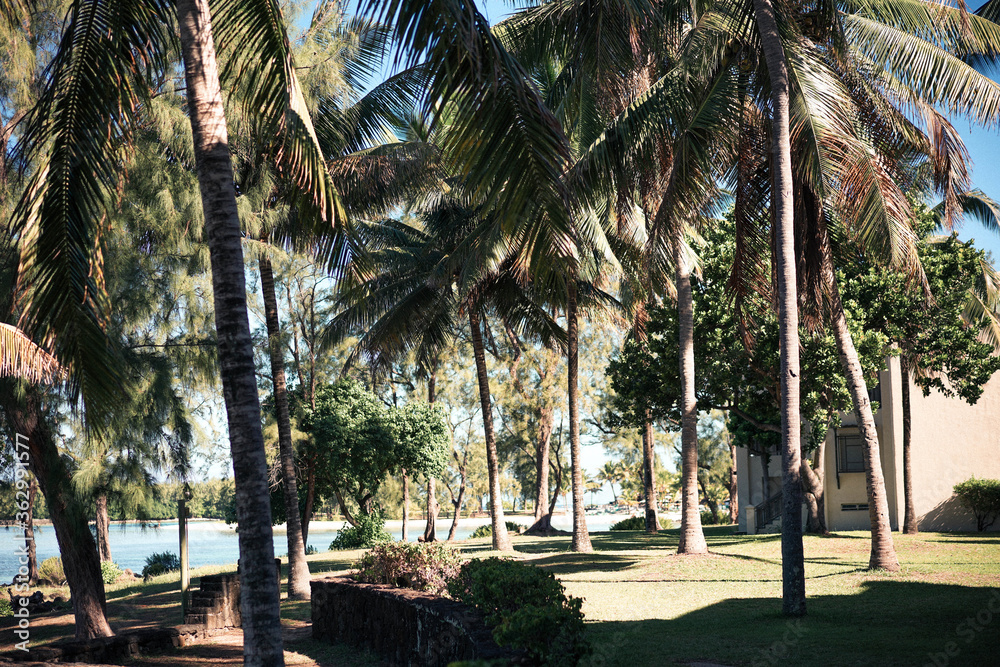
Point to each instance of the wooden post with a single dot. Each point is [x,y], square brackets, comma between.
[185,568]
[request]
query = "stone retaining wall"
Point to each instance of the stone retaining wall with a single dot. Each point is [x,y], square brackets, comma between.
[403,626]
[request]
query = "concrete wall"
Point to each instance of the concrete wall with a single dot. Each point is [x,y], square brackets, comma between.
[952,441]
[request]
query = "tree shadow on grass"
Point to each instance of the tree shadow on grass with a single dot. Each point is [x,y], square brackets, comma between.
[593,562]
[887,623]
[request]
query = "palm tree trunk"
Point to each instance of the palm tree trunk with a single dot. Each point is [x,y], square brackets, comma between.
[81,563]
[692,537]
[260,601]
[909,515]
[543,518]
[101,523]
[433,508]
[298,567]
[501,540]
[581,538]
[883,552]
[792,556]
[649,475]
[406,505]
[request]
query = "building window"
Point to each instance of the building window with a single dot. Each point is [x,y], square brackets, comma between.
[875,394]
[854,507]
[850,453]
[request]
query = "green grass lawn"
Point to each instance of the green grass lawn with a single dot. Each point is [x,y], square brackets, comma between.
[647,606]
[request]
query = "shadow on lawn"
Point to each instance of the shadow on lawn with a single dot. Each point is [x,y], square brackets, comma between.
[888,623]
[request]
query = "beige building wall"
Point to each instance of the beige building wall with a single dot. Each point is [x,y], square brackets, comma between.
[952,441]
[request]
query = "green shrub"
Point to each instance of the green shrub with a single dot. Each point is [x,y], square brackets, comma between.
[5,607]
[634,523]
[110,572]
[157,564]
[424,567]
[526,607]
[51,572]
[710,518]
[487,530]
[310,550]
[982,497]
[369,532]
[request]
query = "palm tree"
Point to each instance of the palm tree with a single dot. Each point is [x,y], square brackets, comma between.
[69,138]
[792,557]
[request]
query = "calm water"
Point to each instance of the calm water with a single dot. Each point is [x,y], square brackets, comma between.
[215,543]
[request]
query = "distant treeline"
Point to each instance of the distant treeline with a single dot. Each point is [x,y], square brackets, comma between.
[212,499]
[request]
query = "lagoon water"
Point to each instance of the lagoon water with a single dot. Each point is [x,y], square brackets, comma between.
[215,543]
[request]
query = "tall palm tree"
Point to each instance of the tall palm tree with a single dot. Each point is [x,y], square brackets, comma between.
[83,122]
[793,571]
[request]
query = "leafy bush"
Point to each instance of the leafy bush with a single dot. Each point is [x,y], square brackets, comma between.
[310,550]
[633,523]
[526,607]
[487,530]
[710,518]
[157,564]
[5,607]
[369,532]
[424,567]
[982,497]
[110,572]
[51,572]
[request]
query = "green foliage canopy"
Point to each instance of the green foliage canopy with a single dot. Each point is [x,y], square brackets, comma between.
[359,441]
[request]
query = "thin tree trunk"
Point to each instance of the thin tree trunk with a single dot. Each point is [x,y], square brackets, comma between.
[883,552]
[101,523]
[77,547]
[909,515]
[649,475]
[543,517]
[692,537]
[792,556]
[298,567]
[406,505]
[433,508]
[458,513]
[29,532]
[310,500]
[581,537]
[260,596]
[501,540]
[461,493]
[813,480]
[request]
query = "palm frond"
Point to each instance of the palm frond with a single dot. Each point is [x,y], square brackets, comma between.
[251,35]
[75,137]
[510,146]
[925,70]
[21,358]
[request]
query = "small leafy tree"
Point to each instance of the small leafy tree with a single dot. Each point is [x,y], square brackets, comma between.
[982,497]
[360,442]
